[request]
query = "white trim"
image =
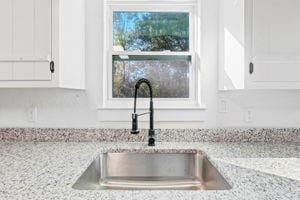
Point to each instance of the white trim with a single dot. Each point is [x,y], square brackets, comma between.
[183,108]
[199,83]
[186,109]
[160,115]
[151,2]
[158,104]
[151,53]
[157,125]
[150,8]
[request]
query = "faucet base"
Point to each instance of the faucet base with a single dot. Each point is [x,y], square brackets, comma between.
[135,132]
[151,142]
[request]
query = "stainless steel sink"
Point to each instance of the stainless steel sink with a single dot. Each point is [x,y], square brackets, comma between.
[158,171]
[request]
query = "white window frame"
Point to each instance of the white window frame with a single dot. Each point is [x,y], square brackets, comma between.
[170,112]
[194,101]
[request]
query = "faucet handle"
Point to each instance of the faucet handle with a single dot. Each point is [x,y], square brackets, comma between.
[135,124]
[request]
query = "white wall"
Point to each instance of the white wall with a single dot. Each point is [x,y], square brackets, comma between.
[270,108]
[56,108]
[70,108]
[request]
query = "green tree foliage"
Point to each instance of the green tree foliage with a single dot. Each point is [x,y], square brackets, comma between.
[163,31]
[151,31]
[170,78]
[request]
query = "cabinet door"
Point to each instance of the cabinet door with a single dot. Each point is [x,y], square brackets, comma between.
[275,44]
[26,38]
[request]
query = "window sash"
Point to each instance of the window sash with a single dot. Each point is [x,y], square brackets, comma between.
[149,8]
[192,78]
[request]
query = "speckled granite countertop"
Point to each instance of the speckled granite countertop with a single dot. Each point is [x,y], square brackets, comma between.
[47,170]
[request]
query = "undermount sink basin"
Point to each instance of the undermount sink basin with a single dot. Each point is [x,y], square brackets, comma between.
[151,171]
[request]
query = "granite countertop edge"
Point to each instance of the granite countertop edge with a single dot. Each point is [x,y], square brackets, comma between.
[162,135]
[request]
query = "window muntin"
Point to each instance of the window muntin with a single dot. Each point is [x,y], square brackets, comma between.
[151,31]
[169,75]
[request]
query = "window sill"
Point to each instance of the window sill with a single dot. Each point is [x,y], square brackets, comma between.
[156,108]
[161,114]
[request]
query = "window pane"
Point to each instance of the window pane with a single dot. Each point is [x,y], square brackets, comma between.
[169,75]
[150,31]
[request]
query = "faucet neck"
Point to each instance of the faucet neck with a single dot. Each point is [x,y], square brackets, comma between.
[137,86]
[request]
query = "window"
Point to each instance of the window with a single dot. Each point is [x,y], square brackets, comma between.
[153,40]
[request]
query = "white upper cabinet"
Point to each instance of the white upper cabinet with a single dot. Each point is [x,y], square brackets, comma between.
[270,46]
[33,36]
[275,48]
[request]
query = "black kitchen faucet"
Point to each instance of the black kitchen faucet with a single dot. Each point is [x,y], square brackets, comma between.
[151,141]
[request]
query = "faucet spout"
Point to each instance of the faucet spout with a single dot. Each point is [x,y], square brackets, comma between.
[151,112]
